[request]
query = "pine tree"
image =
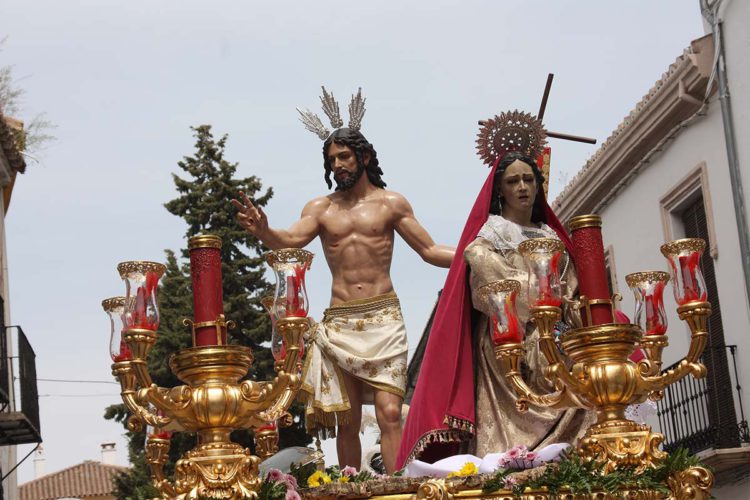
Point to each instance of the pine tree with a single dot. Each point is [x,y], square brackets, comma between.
[203,203]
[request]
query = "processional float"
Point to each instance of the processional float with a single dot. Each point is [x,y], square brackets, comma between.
[590,366]
[216,398]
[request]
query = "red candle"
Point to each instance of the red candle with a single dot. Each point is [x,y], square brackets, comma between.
[689,268]
[295,306]
[654,304]
[124,354]
[586,232]
[208,304]
[118,348]
[546,296]
[144,310]
[512,331]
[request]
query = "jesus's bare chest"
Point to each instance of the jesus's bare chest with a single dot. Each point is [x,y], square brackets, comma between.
[368,220]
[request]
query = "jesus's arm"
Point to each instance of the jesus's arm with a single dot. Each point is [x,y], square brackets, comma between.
[302,232]
[416,236]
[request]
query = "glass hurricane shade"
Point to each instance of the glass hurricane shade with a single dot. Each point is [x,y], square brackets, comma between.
[648,289]
[141,282]
[542,256]
[278,349]
[115,309]
[501,295]
[290,266]
[684,257]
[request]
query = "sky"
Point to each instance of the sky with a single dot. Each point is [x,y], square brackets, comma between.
[124,81]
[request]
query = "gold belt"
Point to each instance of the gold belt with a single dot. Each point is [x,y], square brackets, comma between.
[361,306]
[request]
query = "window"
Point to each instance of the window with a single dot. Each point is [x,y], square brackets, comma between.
[700,414]
[685,193]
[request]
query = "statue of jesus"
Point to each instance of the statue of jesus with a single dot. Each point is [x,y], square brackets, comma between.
[358,351]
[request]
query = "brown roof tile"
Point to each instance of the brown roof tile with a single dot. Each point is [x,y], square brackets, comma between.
[88,479]
[642,107]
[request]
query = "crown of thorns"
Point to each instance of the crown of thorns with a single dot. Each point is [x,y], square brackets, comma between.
[312,122]
[511,131]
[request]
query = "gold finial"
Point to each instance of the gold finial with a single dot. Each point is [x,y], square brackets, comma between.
[582,221]
[204,241]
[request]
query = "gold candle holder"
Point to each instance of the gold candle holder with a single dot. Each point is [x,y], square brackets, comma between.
[213,402]
[595,373]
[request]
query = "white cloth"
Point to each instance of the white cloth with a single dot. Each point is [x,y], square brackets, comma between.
[488,464]
[507,235]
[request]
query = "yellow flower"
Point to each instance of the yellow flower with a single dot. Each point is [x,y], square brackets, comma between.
[315,480]
[344,479]
[469,469]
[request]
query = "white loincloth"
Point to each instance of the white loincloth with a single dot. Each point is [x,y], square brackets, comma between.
[365,338]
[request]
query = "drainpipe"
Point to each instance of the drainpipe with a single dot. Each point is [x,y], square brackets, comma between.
[711,14]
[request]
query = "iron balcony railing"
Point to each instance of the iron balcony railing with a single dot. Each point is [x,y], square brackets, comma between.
[4,370]
[5,378]
[19,420]
[699,414]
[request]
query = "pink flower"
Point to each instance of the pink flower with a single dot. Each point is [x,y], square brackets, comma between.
[519,463]
[513,453]
[503,462]
[531,456]
[349,471]
[292,495]
[508,481]
[291,482]
[275,475]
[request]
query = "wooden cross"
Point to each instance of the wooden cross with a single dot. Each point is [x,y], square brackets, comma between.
[540,115]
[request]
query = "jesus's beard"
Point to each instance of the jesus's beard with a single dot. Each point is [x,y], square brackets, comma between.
[350,180]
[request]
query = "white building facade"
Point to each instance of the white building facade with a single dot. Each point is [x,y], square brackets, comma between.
[666,173]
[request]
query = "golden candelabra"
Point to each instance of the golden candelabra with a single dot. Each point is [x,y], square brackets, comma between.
[591,369]
[212,403]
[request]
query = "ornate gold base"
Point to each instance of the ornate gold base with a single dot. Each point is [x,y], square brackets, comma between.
[217,470]
[222,470]
[622,443]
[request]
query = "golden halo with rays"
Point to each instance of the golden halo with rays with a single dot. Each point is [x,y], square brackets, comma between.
[511,131]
